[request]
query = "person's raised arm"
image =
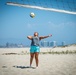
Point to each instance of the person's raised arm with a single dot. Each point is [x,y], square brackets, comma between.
[29,37]
[43,37]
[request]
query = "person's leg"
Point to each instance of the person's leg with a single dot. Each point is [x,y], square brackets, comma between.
[31,58]
[36,58]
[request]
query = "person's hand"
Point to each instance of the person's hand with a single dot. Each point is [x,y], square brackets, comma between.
[50,35]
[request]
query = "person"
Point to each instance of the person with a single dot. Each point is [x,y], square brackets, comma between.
[35,49]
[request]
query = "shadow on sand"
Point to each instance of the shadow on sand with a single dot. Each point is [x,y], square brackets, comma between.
[24,67]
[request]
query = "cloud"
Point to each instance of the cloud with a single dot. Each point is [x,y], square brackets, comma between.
[71,23]
[31,26]
[61,25]
[54,25]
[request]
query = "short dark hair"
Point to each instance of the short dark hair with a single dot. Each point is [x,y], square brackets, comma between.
[36,32]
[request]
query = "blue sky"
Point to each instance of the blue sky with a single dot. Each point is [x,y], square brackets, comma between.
[16,25]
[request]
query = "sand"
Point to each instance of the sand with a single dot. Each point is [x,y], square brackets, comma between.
[49,64]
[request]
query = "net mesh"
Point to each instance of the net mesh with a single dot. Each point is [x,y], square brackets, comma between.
[67,5]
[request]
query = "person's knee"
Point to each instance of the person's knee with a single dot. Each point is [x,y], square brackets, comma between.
[32,56]
[36,56]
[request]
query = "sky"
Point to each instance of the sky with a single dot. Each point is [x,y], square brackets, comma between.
[16,24]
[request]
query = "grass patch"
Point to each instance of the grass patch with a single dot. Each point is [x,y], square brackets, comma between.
[62,52]
[51,52]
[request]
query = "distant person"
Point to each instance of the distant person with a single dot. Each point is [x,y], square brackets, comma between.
[35,49]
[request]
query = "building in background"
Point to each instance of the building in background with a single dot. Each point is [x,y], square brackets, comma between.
[48,44]
[63,43]
[45,43]
[53,44]
[12,45]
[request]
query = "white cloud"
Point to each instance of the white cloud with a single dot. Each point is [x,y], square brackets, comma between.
[30,26]
[71,23]
[61,25]
[53,25]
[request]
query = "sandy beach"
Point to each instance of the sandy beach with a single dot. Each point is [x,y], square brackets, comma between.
[15,61]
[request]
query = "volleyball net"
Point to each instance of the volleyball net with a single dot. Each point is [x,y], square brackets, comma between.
[63,6]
